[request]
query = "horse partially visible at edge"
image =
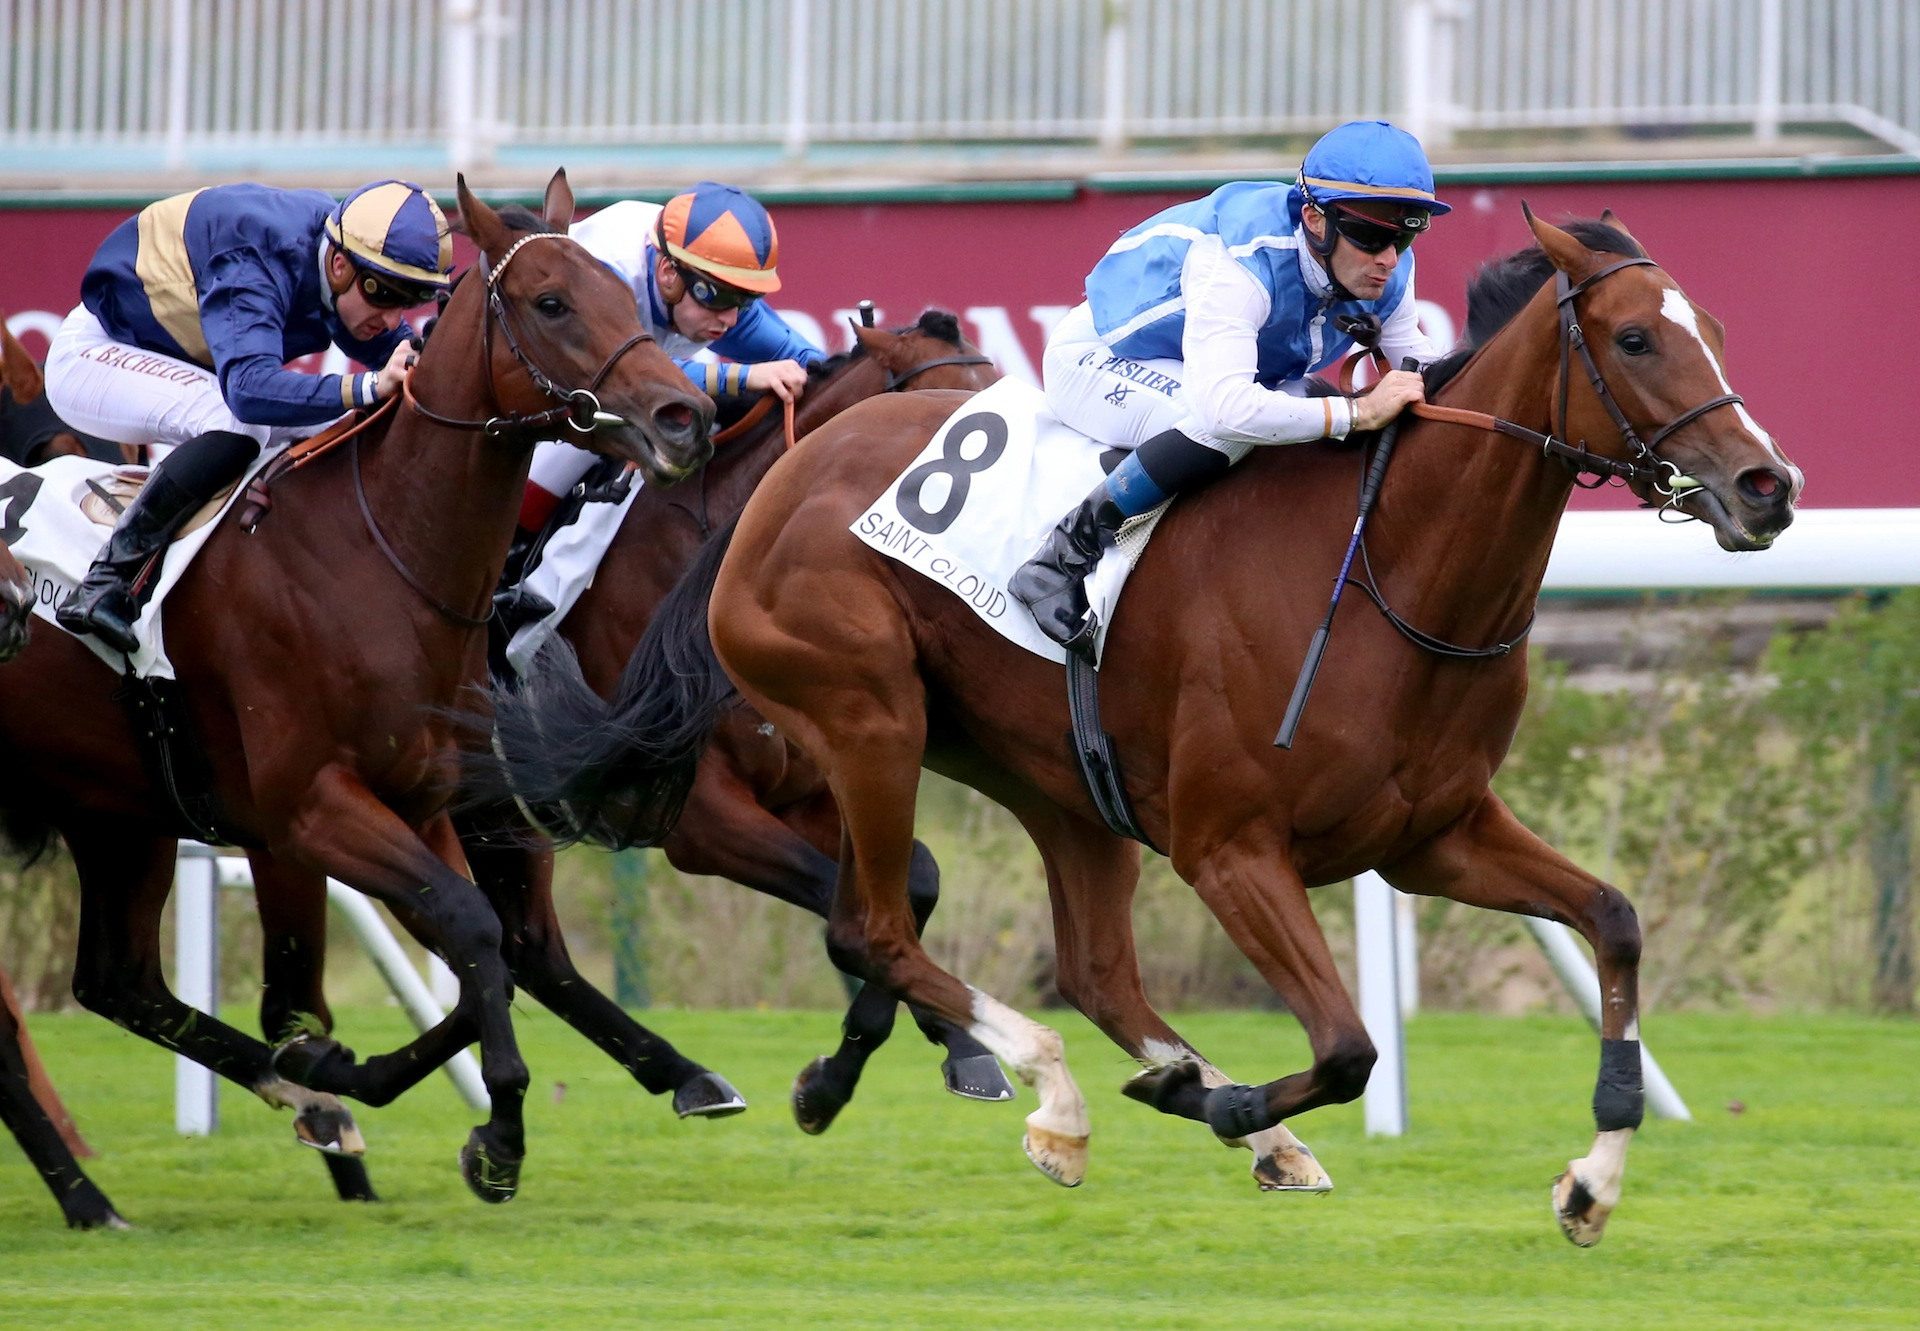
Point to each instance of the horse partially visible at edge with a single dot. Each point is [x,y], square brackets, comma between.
[874,671]
[318,656]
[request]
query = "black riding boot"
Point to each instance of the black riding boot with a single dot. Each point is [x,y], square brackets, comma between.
[103,604]
[1053,584]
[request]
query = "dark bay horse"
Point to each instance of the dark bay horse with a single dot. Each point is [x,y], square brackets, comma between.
[318,658]
[758,812]
[873,670]
[30,430]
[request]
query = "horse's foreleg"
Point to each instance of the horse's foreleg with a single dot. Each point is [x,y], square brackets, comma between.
[1091,877]
[1489,859]
[518,881]
[870,693]
[31,1121]
[341,829]
[292,906]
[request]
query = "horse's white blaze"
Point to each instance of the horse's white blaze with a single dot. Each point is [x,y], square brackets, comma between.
[1676,307]
[1038,1057]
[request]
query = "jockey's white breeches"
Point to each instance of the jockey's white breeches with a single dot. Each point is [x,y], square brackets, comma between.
[1115,400]
[558,465]
[129,395]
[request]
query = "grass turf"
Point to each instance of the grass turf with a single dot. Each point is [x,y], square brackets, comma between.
[918,1209]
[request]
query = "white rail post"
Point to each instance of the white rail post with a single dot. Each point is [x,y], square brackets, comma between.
[1376,940]
[799,77]
[1770,71]
[196,980]
[179,73]
[460,54]
[1113,86]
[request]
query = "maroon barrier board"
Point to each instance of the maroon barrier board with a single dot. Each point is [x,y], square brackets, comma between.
[1813,277]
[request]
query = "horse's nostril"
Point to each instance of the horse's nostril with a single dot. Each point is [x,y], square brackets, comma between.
[675,417]
[1762,485]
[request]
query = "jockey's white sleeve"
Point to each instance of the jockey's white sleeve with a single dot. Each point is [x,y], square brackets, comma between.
[1226,306]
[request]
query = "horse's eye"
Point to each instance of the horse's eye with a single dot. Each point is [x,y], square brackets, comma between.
[551,306]
[1633,342]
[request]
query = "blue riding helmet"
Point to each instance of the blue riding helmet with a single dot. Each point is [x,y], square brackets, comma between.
[1366,159]
[394,229]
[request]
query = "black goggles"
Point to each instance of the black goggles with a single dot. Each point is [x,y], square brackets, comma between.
[1370,235]
[712,295]
[388,293]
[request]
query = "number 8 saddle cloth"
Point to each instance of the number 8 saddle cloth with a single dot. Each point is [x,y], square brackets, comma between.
[974,505]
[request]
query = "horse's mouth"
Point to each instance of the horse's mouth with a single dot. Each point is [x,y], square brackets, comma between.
[1730,531]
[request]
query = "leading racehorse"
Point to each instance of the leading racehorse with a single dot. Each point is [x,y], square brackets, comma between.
[874,670]
[318,656]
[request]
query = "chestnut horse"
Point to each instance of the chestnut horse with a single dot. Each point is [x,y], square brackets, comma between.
[873,670]
[319,656]
[758,813]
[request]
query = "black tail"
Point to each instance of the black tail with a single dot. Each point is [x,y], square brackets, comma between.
[613,772]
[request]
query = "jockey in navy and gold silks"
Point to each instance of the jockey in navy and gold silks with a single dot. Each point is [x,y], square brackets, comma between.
[698,267]
[188,315]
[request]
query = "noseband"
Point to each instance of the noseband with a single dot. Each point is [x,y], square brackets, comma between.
[579,408]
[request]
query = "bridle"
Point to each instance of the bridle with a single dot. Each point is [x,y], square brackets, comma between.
[579,408]
[579,411]
[898,382]
[1644,464]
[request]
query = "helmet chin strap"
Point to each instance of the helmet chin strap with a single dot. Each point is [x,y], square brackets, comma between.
[1321,247]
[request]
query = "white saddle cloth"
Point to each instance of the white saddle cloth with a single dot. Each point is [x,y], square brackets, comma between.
[56,535]
[975,504]
[566,570]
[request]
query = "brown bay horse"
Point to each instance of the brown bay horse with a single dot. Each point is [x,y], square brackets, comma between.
[875,671]
[758,812]
[319,657]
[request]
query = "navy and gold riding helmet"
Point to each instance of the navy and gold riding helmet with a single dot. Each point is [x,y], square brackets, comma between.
[397,238]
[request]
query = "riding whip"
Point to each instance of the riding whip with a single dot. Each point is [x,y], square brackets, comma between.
[1369,490]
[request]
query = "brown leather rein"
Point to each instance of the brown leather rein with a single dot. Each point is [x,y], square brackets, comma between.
[1645,464]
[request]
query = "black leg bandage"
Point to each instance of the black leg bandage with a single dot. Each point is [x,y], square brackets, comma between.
[1618,1100]
[1236,1111]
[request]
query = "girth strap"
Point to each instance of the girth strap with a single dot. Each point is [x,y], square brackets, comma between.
[1093,750]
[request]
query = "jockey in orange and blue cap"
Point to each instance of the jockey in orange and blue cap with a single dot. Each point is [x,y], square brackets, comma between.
[698,267]
[1202,324]
[188,315]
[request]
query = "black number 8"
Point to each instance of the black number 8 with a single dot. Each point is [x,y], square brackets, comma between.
[957,468]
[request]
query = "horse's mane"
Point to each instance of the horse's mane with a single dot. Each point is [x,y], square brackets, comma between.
[524,219]
[1502,287]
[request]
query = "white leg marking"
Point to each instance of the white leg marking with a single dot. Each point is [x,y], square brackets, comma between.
[1038,1057]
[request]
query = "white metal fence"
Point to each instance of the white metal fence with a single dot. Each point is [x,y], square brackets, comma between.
[459,78]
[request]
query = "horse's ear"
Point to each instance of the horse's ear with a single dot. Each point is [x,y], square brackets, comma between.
[17,370]
[483,225]
[1609,218]
[1567,254]
[558,209]
[876,341]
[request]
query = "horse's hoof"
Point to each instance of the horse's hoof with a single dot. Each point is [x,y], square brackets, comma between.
[1582,1218]
[493,1175]
[815,1102]
[1172,1088]
[1060,1157]
[977,1077]
[98,1215]
[305,1059]
[1291,1169]
[331,1130]
[707,1096]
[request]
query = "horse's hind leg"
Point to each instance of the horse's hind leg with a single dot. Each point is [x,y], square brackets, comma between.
[1091,877]
[518,881]
[292,906]
[1489,859]
[868,689]
[80,1201]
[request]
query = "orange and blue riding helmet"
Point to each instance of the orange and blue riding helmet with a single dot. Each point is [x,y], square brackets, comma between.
[723,232]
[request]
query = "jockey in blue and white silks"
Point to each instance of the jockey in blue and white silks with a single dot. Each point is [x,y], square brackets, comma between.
[1202,324]
[698,267]
[189,312]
